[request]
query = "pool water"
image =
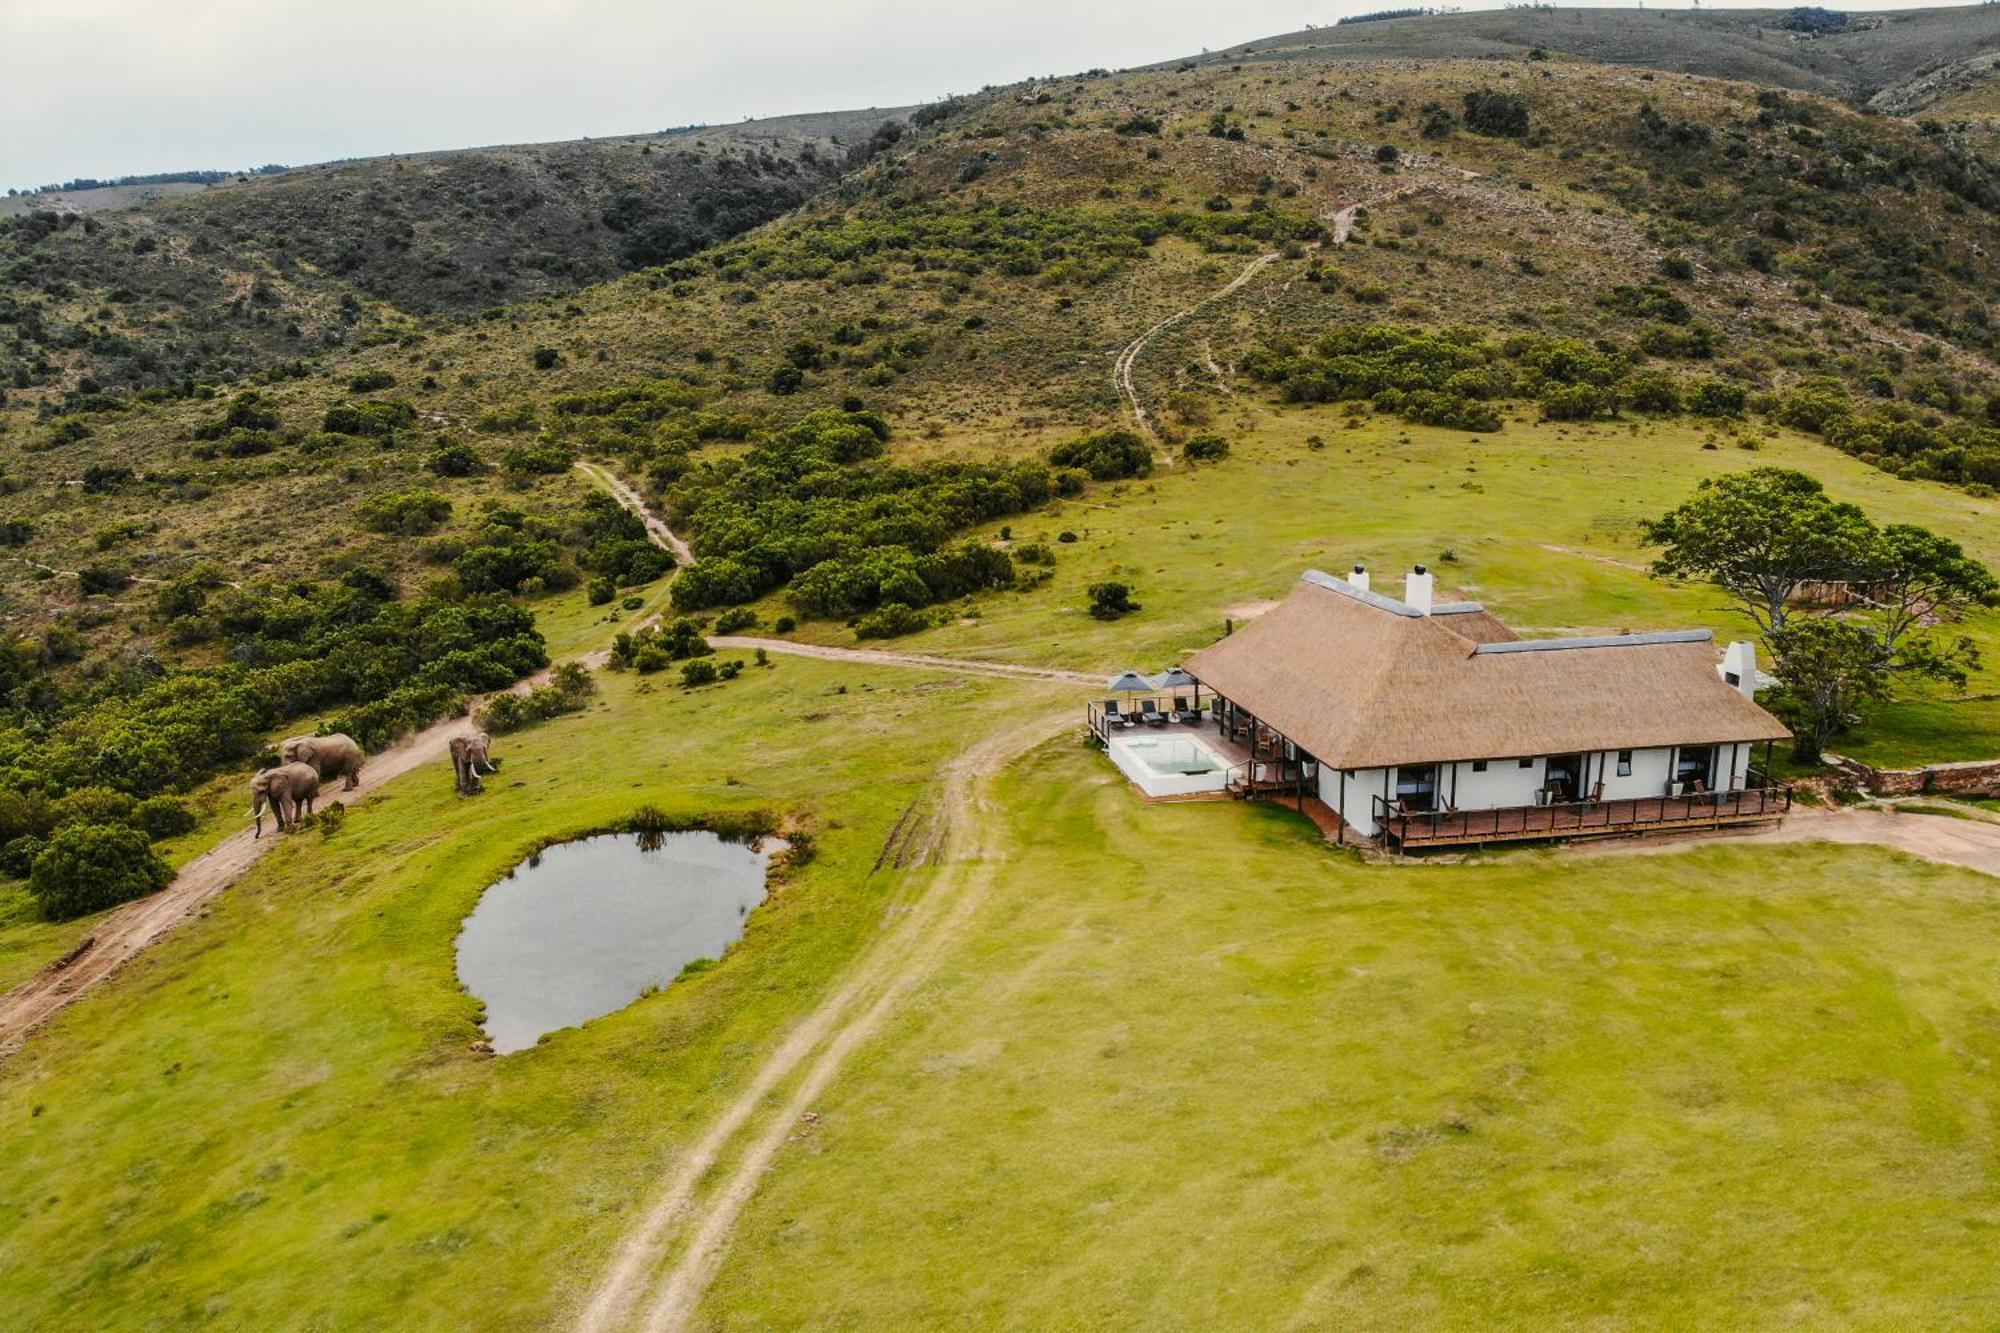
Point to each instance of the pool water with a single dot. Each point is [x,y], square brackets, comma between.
[1170,765]
[587,927]
[1175,755]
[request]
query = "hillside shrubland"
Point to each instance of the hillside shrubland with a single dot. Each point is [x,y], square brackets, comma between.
[250,387]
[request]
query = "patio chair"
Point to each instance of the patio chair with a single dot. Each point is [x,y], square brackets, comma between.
[1149,712]
[1182,713]
[1114,718]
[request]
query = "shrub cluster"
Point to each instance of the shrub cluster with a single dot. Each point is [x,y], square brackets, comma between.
[1452,377]
[290,651]
[818,506]
[569,691]
[1107,455]
[88,867]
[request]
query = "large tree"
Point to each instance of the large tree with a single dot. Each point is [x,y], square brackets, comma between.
[1827,669]
[1763,536]
[1916,580]
[1766,535]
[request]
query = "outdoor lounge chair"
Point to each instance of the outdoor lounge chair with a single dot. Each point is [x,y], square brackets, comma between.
[1114,718]
[1182,713]
[1149,712]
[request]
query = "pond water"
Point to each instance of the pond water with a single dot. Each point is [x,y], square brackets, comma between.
[583,929]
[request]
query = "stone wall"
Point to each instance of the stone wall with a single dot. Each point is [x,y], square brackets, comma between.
[1978,777]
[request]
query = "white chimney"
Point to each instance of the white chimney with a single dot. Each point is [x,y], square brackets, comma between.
[1359,578]
[1417,590]
[1739,667]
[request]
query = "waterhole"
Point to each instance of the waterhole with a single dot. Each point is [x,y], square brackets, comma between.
[586,927]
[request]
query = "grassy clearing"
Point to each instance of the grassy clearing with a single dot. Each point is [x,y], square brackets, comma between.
[274,1117]
[1200,544]
[1198,1070]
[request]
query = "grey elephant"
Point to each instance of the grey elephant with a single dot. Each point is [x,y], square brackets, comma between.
[288,789]
[335,756]
[470,757]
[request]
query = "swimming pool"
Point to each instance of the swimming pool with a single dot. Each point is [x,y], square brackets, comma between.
[1171,763]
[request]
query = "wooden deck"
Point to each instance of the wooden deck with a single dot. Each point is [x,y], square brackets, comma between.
[1586,819]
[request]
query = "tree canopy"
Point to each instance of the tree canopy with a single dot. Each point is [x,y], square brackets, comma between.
[1782,548]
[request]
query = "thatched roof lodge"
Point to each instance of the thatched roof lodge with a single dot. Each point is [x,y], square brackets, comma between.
[1427,722]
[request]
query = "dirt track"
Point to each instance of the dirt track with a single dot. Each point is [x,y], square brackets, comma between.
[658,531]
[924,661]
[132,927]
[696,1230]
[1121,372]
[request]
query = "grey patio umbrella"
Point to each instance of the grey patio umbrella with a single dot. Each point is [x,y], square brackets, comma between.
[1173,678]
[1130,682]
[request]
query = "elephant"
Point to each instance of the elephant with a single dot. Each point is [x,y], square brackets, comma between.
[469,758]
[288,789]
[331,756]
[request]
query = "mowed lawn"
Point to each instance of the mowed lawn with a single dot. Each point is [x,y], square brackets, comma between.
[275,1118]
[1197,1070]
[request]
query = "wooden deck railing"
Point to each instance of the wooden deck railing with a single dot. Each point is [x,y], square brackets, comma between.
[1569,819]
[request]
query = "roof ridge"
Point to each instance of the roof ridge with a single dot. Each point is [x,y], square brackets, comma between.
[1599,641]
[1319,578]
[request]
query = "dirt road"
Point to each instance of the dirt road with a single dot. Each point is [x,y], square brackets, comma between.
[691,1224]
[1121,371]
[132,927]
[661,534]
[924,661]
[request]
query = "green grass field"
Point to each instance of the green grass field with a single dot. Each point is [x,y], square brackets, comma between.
[275,1117]
[1198,1070]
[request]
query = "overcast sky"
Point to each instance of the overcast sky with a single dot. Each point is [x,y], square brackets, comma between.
[110,87]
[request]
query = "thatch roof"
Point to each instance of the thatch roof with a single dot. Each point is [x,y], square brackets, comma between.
[1364,681]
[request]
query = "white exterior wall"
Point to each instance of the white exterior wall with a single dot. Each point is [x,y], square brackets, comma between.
[1651,770]
[1358,810]
[1506,783]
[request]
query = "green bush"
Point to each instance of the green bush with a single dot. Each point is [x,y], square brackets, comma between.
[1497,114]
[569,690]
[736,620]
[93,805]
[454,460]
[697,673]
[1205,446]
[1034,553]
[89,867]
[538,460]
[1576,402]
[404,513]
[1110,600]
[372,420]
[368,381]
[17,855]
[602,590]
[891,620]
[1107,455]
[1716,398]
[162,817]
